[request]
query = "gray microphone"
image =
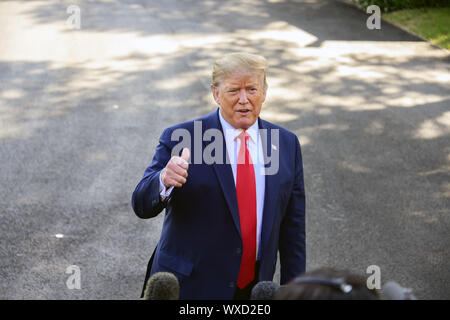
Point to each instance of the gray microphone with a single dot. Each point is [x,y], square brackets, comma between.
[162,286]
[264,290]
[393,291]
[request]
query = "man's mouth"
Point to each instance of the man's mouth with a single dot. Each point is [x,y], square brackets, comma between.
[243,111]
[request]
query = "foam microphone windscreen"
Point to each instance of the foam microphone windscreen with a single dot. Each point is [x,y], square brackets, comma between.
[162,286]
[264,290]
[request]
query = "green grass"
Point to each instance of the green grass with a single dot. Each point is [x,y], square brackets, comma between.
[432,24]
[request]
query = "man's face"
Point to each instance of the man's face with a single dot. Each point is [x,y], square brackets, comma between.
[240,97]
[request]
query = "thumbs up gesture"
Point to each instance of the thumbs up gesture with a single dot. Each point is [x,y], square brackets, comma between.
[175,172]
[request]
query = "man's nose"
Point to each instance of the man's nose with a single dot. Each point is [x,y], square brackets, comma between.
[243,97]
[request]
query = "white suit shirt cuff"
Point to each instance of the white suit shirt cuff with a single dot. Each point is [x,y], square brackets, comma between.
[164,192]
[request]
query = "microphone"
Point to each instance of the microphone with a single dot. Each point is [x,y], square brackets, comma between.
[264,290]
[393,291]
[162,286]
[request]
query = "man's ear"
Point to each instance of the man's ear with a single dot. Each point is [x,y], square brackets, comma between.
[264,94]
[215,92]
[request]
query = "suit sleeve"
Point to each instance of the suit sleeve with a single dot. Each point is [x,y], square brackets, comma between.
[292,233]
[146,200]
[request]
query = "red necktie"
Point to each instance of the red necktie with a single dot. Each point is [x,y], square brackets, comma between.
[246,197]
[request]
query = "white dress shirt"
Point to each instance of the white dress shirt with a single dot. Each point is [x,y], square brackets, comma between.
[254,145]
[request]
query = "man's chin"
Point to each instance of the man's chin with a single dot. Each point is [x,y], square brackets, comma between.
[245,123]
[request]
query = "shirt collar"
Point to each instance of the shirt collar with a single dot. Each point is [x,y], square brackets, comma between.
[232,133]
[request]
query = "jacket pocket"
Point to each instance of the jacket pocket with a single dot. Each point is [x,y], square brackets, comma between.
[175,263]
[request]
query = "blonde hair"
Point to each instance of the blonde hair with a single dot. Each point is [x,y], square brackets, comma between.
[238,61]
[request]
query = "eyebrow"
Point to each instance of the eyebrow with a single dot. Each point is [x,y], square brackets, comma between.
[250,86]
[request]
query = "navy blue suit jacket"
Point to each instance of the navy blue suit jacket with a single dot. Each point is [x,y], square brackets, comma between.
[200,241]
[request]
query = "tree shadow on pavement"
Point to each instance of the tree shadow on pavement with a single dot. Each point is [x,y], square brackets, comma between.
[370,109]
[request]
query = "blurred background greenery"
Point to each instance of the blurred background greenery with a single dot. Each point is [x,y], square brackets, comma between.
[391,5]
[432,24]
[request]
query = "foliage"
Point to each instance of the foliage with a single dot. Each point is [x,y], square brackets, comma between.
[391,5]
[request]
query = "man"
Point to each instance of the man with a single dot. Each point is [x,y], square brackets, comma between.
[226,219]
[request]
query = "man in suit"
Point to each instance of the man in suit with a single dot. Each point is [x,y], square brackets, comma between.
[233,192]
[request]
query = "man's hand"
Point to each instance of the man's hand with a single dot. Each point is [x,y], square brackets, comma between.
[175,172]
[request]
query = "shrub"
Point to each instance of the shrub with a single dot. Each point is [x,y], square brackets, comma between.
[391,5]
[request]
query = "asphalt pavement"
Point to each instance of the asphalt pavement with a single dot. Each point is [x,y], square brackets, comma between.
[81,111]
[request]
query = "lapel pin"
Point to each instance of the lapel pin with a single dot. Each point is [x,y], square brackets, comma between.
[274,147]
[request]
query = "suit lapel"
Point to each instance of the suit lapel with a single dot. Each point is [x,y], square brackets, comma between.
[224,172]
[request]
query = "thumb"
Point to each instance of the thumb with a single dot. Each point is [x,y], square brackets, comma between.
[185,155]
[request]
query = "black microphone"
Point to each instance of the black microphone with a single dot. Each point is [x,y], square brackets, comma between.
[162,286]
[393,291]
[264,290]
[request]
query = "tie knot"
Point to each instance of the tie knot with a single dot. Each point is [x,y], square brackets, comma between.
[243,135]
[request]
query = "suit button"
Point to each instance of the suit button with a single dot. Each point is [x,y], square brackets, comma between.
[238,251]
[231,284]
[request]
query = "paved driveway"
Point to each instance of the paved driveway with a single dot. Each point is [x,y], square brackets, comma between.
[81,112]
